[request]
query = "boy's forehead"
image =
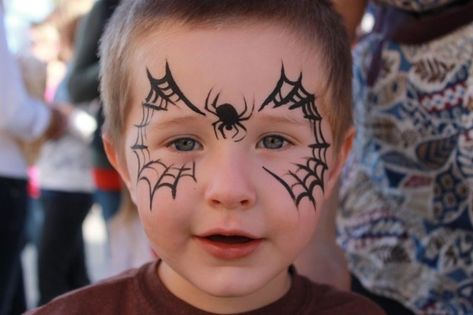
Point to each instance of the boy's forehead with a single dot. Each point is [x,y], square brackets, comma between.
[239,61]
[176,116]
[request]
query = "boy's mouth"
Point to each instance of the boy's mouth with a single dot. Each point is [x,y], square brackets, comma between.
[228,246]
[229,239]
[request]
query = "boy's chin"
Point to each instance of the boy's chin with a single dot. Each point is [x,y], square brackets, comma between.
[230,288]
[230,295]
[203,285]
[243,284]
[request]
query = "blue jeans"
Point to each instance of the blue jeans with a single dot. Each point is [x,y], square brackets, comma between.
[109,201]
[13,205]
[61,255]
[34,221]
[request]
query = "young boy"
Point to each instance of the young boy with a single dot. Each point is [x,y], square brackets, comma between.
[229,121]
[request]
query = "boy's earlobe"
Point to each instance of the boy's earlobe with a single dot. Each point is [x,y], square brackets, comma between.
[346,146]
[341,158]
[117,161]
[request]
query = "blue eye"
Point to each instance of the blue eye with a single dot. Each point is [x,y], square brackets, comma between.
[185,144]
[272,142]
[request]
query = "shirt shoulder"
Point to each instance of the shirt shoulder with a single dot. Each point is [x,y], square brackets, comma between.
[327,300]
[115,295]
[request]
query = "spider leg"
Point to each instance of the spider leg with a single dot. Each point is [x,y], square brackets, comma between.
[246,108]
[220,128]
[242,117]
[214,104]
[214,125]
[240,125]
[236,127]
[207,107]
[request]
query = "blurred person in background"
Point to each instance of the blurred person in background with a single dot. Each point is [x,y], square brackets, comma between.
[83,86]
[110,194]
[405,218]
[22,118]
[64,167]
[41,72]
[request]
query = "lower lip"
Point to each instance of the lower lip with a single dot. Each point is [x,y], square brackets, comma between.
[228,251]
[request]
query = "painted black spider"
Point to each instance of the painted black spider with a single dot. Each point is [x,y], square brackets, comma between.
[228,117]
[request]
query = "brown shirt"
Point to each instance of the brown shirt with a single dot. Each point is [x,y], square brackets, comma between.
[140,291]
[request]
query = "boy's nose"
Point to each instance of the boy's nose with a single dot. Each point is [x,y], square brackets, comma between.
[229,184]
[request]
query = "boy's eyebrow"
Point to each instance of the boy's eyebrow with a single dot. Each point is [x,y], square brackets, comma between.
[179,120]
[267,117]
[286,119]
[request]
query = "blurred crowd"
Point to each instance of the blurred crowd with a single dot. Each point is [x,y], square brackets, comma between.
[53,166]
[400,231]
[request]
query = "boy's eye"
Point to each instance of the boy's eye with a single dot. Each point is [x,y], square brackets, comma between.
[272,142]
[185,144]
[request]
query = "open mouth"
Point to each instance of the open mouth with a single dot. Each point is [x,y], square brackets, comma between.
[229,239]
[229,247]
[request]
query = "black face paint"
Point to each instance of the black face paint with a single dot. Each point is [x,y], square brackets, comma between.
[228,118]
[168,177]
[302,182]
[162,92]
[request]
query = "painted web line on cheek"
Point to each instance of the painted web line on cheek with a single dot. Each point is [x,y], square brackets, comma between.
[302,182]
[168,177]
[162,92]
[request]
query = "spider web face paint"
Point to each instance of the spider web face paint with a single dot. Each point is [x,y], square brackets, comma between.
[163,92]
[302,182]
[228,118]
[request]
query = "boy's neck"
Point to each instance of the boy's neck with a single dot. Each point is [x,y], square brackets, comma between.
[186,291]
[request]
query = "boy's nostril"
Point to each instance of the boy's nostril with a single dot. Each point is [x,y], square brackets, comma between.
[231,204]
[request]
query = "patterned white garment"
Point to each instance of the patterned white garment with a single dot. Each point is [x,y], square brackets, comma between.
[406,214]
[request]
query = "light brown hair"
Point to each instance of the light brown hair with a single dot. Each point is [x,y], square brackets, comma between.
[315,20]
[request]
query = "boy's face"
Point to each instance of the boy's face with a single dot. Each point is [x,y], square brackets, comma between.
[227,154]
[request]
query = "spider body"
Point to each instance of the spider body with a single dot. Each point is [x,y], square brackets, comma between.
[228,118]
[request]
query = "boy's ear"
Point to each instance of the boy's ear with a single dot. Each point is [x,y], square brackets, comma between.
[340,159]
[117,161]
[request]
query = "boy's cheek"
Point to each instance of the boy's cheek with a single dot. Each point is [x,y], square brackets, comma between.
[158,191]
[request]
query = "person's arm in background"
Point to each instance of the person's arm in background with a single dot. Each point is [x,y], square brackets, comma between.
[83,81]
[352,12]
[20,115]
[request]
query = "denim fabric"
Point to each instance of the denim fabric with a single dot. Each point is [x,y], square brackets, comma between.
[109,201]
[13,205]
[61,257]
